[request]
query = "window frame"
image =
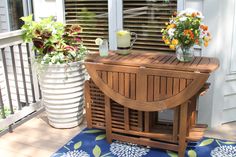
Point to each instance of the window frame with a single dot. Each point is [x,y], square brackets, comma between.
[27,10]
[115,19]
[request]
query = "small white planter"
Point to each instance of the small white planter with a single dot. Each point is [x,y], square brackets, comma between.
[62,93]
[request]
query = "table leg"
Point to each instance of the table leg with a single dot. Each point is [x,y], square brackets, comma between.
[183,129]
[108,119]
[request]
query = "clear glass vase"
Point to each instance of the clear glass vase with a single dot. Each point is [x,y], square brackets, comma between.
[185,54]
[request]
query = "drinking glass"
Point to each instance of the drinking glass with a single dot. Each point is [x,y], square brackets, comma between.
[103,48]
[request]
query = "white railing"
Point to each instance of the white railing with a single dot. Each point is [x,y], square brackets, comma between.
[19,90]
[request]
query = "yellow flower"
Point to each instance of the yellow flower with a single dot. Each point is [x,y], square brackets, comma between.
[171,26]
[206,38]
[175,42]
[164,38]
[206,43]
[172,47]
[167,42]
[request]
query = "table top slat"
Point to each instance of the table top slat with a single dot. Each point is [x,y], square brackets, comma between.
[157,60]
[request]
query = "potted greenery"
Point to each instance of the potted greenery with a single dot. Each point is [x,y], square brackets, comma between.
[59,55]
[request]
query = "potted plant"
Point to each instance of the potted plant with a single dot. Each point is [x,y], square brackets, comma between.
[59,55]
[185,30]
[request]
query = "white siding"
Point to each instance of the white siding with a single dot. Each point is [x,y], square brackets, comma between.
[3,17]
[3,28]
[11,77]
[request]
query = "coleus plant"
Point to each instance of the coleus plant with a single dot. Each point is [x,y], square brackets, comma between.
[53,42]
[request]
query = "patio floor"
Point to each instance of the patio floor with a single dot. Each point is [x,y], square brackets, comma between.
[36,138]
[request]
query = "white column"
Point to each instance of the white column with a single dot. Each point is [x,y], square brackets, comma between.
[60,5]
[112,22]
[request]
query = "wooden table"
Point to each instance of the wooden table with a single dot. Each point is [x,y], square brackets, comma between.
[126,93]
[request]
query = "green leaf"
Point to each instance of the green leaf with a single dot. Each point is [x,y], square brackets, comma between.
[92,131]
[172,154]
[100,137]
[206,142]
[96,151]
[78,145]
[192,153]
[228,142]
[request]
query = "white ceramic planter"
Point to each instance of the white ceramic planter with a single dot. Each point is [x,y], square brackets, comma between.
[62,94]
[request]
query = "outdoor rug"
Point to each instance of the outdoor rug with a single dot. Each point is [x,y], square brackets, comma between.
[92,143]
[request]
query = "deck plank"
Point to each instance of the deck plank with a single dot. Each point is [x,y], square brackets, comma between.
[36,138]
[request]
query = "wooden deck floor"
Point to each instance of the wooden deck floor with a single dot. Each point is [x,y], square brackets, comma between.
[36,138]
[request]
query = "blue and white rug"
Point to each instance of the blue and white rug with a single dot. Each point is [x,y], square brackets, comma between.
[92,143]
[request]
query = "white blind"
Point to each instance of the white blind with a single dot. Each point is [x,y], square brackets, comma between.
[92,15]
[147,18]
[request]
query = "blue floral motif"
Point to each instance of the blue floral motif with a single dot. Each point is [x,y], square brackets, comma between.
[92,142]
[224,151]
[122,149]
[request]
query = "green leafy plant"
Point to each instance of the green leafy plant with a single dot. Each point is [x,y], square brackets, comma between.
[54,42]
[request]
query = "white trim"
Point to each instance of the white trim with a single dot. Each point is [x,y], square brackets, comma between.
[25,7]
[181,5]
[112,12]
[233,49]
[11,119]
[7,15]
[60,11]
[30,9]
[119,20]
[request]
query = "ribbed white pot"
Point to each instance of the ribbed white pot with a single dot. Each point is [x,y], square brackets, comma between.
[62,93]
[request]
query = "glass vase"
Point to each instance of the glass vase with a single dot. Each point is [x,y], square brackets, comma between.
[185,54]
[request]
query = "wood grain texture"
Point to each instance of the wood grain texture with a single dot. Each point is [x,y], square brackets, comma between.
[135,88]
[158,61]
[138,91]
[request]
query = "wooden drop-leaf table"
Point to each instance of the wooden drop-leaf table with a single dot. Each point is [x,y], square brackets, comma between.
[126,93]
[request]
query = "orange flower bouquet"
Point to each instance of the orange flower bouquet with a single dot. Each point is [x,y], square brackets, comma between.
[185,30]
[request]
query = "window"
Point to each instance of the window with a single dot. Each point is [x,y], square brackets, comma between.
[147,18]
[17,9]
[144,17]
[92,16]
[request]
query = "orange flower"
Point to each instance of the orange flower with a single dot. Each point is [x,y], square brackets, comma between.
[204,27]
[206,43]
[194,14]
[197,41]
[189,33]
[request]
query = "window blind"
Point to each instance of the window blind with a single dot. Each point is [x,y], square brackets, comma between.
[147,18]
[92,16]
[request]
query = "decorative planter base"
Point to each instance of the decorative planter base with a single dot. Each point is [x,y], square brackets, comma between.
[62,91]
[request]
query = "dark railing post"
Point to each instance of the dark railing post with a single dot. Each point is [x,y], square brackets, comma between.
[2,105]
[23,74]
[15,77]
[30,71]
[7,80]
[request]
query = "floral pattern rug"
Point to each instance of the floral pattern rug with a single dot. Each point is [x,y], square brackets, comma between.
[92,143]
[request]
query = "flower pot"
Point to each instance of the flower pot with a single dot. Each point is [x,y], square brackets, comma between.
[185,54]
[62,93]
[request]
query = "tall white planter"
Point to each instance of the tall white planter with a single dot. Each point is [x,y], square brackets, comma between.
[62,94]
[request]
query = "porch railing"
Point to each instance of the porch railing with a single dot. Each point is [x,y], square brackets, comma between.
[19,89]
